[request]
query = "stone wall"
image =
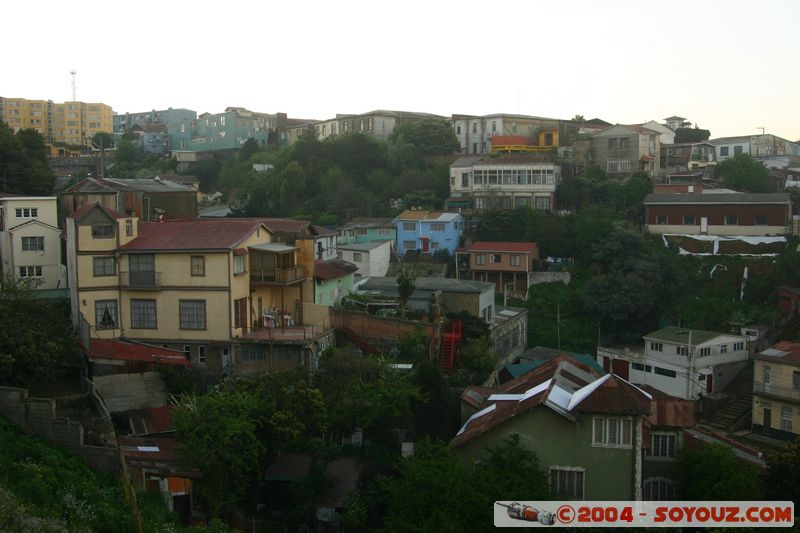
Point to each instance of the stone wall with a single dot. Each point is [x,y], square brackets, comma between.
[123,392]
[535,278]
[38,416]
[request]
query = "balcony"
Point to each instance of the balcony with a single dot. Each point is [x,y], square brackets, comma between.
[776,392]
[147,280]
[285,333]
[277,276]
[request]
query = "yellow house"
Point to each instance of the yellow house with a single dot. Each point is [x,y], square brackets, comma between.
[776,391]
[70,122]
[222,291]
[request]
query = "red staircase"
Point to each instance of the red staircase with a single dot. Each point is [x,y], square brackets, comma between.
[451,347]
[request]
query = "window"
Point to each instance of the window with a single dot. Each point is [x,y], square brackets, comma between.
[662,445]
[796,380]
[662,219]
[33,244]
[238,264]
[731,220]
[665,372]
[474,127]
[766,374]
[361,231]
[480,259]
[240,313]
[193,314]
[102,230]
[612,432]
[143,314]
[656,347]
[437,226]
[786,418]
[105,314]
[384,232]
[198,265]
[641,367]
[187,351]
[542,203]
[515,260]
[738,346]
[761,220]
[567,482]
[30,272]
[129,228]
[723,151]
[737,150]
[458,129]
[409,245]
[104,266]
[689,220]
[723,348]
[618,164]
[409,226]
[253,352]
[495,258]
[201,354]
[705,351]
[27,212]
[357,257]
[659,489]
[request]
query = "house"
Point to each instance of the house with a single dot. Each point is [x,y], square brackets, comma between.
[788,301]
[621,150]
[776,391]
[507,182]
[675,122]
[175,123]
[771,150]
[363,230]
[222,291]
[153,138]
[537,356]
[681,362]
[706,213]
[149,199]
[506,264]
[379,123]
[667,134]
[230,129]
[684,157]
[371,258]
[584,426]
[30,241]
[428,231]
[476,133]
[333,280]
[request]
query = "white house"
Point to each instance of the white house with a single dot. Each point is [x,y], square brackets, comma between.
[30,241]
[667,134]
[680,362]
[371,258]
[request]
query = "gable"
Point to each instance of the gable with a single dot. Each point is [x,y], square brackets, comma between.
[614,131]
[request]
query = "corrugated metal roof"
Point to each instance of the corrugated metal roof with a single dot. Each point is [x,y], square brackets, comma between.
[503,247]
[333,269]
[784,352]
[198,234]
[676,335]
[718,198]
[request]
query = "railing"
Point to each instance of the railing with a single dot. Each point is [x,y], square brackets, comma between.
[773,390]
[278,275]
[141,280]
[285,333]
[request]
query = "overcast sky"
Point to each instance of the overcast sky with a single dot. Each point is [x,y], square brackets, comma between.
[731,67]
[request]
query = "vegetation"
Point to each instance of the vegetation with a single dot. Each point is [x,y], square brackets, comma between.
[743,173]
[713,472]
[691,135]
[782,480]
[23,163]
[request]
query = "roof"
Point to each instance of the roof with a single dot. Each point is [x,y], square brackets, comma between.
[696,437]
[9,195]
[675,118]
[561,384]
[363,246]
[482,246]
[637,128]
[161,453]
[154,127]
[722,140]
[784,352]
[388,285]
[415,214]
[333,269]
[154,184]
[322,231]
[367,222]
[719,198]
[150,421]
[534,357]
[274,247]
[130,351]
[84,210]
[465,161]
[669,411]
[284,225]
[197,234]
[516,159]
[676,335]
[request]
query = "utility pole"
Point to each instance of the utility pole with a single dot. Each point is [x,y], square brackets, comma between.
[558,324]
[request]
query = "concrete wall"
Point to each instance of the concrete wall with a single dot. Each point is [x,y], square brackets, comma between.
[123,392]
[37,416]
[535,278]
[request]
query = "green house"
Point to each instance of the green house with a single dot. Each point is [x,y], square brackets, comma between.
[585,427]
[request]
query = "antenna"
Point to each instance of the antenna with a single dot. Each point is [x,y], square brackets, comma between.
[72,73]
[762,130]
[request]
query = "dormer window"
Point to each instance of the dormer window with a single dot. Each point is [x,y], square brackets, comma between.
[102,230]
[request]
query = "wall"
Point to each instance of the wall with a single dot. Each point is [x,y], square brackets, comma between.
[123,392]
[37,416]
[392,329]
[535,278]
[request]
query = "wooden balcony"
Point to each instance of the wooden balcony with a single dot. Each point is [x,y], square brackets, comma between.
[147,280]
[278,276]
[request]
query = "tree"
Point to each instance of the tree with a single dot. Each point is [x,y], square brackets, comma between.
[23,164]
[743,173]
[33,144]
[103,140]
[782,479]
[713,472]
[479,359]
[405,290]
[691,135]
[430,137]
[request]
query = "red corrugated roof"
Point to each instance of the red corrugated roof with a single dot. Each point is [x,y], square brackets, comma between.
[151,420]
[160,453]
[120,350]
[783,352]
[503,247]
[332,269]
[198,234]
[84,210]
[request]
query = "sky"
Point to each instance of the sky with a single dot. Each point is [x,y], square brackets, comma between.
[727,66]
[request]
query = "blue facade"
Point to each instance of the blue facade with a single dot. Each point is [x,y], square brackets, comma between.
[428,232]
[179,123]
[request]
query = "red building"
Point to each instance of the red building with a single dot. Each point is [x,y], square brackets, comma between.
[502,263]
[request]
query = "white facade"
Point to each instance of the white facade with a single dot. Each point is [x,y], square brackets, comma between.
[30,241]
[667,135]
[372,259]
[731,146]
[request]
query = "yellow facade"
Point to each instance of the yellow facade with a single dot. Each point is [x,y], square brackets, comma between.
[70,122]
[776,394]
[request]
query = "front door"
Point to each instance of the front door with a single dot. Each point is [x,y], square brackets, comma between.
[425,246]
[767,422]
[709,380]
[226,359]
[703,225]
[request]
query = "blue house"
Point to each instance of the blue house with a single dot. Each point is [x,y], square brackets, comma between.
[428,231]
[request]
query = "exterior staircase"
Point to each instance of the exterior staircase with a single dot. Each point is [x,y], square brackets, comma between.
[451,347]
[733,412]
[359,341]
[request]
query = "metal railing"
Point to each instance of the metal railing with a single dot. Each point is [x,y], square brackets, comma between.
[141,280]
[278,275]
[773,390]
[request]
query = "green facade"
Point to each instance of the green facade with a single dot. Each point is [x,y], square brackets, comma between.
[558,441]
[331,292]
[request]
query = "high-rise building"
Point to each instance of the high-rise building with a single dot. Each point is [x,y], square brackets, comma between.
[70,122]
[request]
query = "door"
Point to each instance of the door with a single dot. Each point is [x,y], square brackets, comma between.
[703,224]
[620,368]
[767,422]
[709,383]
[425,246]
[226,359]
